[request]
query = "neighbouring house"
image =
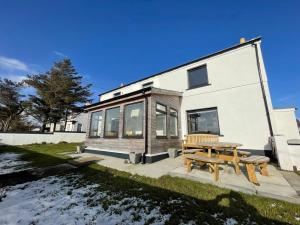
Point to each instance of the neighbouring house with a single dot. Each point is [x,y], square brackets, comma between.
[225,93]
[75,123]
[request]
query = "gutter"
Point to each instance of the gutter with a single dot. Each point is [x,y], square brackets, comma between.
[263,91]
[146,130]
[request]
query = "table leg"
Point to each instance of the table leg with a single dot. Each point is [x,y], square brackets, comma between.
[263,169]
[189,165]
[251,174]
[209,155]
[236,161]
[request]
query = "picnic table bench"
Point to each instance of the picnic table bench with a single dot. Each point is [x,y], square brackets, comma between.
[256,160]
[223,147]
[213,163]
[192,140]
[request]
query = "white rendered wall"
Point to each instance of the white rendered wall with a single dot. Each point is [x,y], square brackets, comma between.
[286,131]
[286,123]
[234,89]
[27,138]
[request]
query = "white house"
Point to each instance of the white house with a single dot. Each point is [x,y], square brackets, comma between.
[75,123]
[224,93]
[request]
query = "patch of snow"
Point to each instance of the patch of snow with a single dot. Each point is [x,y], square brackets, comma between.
[10,162]
[175,201]
[191,222]
[230,221]
[62,200]
[216,215]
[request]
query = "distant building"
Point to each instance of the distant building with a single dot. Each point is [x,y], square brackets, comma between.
[75,123]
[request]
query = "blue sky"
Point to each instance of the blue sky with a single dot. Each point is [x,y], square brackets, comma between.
[113,42]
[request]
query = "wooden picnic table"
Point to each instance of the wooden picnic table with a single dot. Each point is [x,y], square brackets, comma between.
[222,147]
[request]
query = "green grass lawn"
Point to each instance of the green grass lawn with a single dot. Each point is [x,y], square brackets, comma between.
[185,200]
[42,155]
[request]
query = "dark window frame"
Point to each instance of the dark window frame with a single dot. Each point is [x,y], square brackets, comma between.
[105,117]
[117,94]
[163,112]
[123,128]
[79,125]
[197,85]
[203,109]
[174,136]
[92,136]
[148,84]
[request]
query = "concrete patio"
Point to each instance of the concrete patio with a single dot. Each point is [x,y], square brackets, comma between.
[279,185]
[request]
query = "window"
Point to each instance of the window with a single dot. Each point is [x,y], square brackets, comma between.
[112,122]
[173,123]
[62,127]
[203,121]
[161,120]
[79,127]
[149,84]
[117,94]
[96,123]
[133,120]
[197,77]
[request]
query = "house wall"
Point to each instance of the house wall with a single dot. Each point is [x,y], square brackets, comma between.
[286,123]
[72,125]
[234,89]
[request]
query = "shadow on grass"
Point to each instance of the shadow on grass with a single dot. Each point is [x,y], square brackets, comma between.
[183,199]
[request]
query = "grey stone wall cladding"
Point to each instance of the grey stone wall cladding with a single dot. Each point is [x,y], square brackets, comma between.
[138,144]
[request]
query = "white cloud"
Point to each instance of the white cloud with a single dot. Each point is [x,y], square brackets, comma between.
[287,98]
[60,54]
[13,64]
[15,69]
[12,77]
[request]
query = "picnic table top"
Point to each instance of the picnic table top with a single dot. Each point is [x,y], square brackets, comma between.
[219,144]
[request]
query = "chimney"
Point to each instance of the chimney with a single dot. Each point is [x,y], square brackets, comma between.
[242,40]
[88,102]
[121,85]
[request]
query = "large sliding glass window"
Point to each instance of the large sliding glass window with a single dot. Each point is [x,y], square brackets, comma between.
[173,123]
[203,121]
[161,120]
[96,123]
[112,118]
[133,120]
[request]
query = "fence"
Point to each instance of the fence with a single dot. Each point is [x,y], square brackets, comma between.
[12,138]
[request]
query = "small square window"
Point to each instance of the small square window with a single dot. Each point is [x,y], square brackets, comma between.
[197,77]
[148,84]
[117,94]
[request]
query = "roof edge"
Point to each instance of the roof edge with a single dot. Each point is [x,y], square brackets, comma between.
[188,63]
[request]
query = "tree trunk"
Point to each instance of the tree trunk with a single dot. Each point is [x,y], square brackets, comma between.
[54,128]
[43,127]
[66,118]
[7,124]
